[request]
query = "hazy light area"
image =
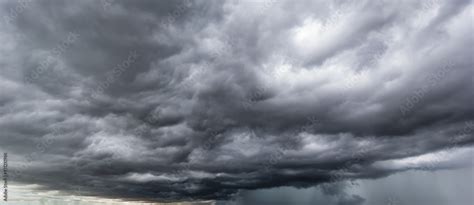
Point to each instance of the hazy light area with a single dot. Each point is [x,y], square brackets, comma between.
[22,194]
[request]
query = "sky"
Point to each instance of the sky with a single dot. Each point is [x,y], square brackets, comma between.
[333,102]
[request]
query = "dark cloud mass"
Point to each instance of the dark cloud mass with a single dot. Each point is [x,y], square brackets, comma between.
[178,100]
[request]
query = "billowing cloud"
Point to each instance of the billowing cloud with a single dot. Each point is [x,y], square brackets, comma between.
[179,100]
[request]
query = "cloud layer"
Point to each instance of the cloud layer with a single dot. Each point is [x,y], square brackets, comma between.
[178,100]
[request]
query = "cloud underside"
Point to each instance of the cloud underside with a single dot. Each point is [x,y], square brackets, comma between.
[177,100]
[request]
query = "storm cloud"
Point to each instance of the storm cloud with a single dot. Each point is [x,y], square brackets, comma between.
[196,100]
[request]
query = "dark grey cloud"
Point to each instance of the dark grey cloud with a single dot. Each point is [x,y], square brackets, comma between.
[179,100]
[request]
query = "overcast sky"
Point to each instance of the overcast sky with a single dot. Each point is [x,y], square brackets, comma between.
[207,100]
